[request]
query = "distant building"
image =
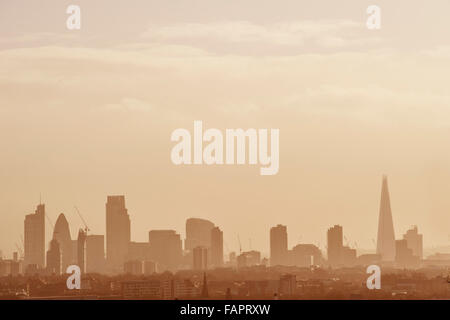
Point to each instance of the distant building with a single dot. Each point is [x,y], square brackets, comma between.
[306,255]
[335,245]
[278,245]
[95,254]
[368,259]
[414,241]
[34,238]
[159,289]
[348,256]
[386,237]
[61,233]
[403,255]
[134,267]
[437,259]
[139,251]
[248,259]
[148,289]
[288,285]
[200,258]
[166,249]
[117,232]
[183,289]
[54,258]
[81,250]
[10,267]
[198,233]
[216,247]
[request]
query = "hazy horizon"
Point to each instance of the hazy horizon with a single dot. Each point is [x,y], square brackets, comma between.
[89,113]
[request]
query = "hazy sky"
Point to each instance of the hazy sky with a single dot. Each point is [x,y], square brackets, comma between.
[85,114]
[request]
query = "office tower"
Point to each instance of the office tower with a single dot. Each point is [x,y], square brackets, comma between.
[200,258]
[248,259]
[306,255]
[34,238]
[386,236]
[278,245]
[198,233]
[54,258]
[139,251]
[403,255]
[117,232]
[81,250]
[166,249]
[61,233]
[95,253]
[348,256]
[414,241]
[216,247]
[134,267]
[335,244]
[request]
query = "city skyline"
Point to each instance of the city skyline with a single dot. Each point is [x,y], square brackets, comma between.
[203,247]
[89,113]
[195,227]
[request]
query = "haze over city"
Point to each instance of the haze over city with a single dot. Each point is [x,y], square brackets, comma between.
[88,114]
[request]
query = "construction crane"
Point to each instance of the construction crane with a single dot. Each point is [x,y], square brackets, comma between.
[50,221]
[86,228]
[226,246]
[20,250]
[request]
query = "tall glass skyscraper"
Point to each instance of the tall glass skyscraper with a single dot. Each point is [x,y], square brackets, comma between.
[386,235]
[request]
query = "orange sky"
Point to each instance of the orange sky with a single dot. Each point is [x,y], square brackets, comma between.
[86,114]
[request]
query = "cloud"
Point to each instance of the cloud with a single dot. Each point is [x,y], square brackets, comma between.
[326,33]
[190,83]
[129,104]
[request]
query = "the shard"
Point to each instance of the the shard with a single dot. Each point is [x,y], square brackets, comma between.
[386,236]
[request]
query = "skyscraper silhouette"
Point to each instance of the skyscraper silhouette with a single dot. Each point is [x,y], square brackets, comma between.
[166,249]
[386,236]
[54,258]
[61,233]
[198,233]
[278,245]
[34,237]
[81,250]
[415,241]
[335,245]
[200,258]
[216,247]
[95,253]
[117,232]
